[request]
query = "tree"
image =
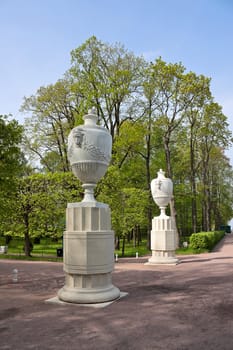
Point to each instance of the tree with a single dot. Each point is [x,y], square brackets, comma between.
[11,163]
[41,203]
[128,204]
[198,91]
[165,93]
[221,189]
[109,78]
[54,111]
[213,133]
[200,179]
[157,116]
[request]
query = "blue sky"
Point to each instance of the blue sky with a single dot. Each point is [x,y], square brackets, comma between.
[36,37]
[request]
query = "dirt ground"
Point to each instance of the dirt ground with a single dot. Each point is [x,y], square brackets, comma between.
[184,307]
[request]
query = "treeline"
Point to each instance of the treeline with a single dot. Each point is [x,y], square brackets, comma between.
[159,116]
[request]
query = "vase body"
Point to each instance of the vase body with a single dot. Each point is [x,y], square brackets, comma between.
[161,189]
[89,150]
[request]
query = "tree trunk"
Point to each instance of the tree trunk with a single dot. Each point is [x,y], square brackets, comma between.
[208,210]
[194,214]
[169,174]
[123,246]
[138,234]
[193,187]
[149,226]
[117,242]
[27,243]
[148,176]
[206,202]
[134,236]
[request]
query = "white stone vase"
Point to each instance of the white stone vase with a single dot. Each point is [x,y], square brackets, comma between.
[162,190]
[89,153]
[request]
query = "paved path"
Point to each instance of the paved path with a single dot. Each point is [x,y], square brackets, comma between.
[183,307]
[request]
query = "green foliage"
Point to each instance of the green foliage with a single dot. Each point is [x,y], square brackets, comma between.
[43,197]
[11,165]
[40,206]
[199,241]
[205,240]
[159,116]
[108,77]
[10,152]
[53,113]
[127,205]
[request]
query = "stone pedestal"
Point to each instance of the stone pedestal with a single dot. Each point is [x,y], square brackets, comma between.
[163,241]
[88,254]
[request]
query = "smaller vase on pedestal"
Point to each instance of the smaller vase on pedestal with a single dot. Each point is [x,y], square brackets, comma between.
[163,233]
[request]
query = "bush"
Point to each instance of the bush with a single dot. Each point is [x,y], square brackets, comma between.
[199,241]
[205,240]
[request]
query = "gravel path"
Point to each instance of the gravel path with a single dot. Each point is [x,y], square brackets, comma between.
[184,307]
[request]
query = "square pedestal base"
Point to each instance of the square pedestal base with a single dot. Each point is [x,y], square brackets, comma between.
[163,258]
[57,301]
[88,255]
[163,241]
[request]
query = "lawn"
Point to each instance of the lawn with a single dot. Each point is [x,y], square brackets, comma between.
[47,250]
[131,250]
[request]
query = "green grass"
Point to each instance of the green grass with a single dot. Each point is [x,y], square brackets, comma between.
[142,250]
[47,250]
[190,251]
[30,258]
[130,250]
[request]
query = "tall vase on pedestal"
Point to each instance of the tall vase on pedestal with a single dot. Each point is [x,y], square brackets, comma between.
[163,233]
[88,239]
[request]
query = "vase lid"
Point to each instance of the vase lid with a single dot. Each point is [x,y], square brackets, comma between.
[90,119]
[161,173]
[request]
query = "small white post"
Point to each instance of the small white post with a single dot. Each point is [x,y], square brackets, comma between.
[15,275]
[136,255]
[116,258]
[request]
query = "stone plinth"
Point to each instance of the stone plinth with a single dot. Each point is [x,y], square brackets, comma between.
[163,241]
[88,254]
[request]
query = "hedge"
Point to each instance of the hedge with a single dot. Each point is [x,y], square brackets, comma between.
[205,240]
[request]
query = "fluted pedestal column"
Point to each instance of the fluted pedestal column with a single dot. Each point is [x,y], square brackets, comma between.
[88,255]
[163,241]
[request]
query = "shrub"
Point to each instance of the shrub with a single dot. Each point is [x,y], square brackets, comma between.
[199,241]
[205,240]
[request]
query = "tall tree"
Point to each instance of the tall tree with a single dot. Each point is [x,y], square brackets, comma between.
[110,79]
[213,133]
[221,189]
[11,162]
[53,112]
[198,90]
[166,97]
[41,203]
[128,204]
